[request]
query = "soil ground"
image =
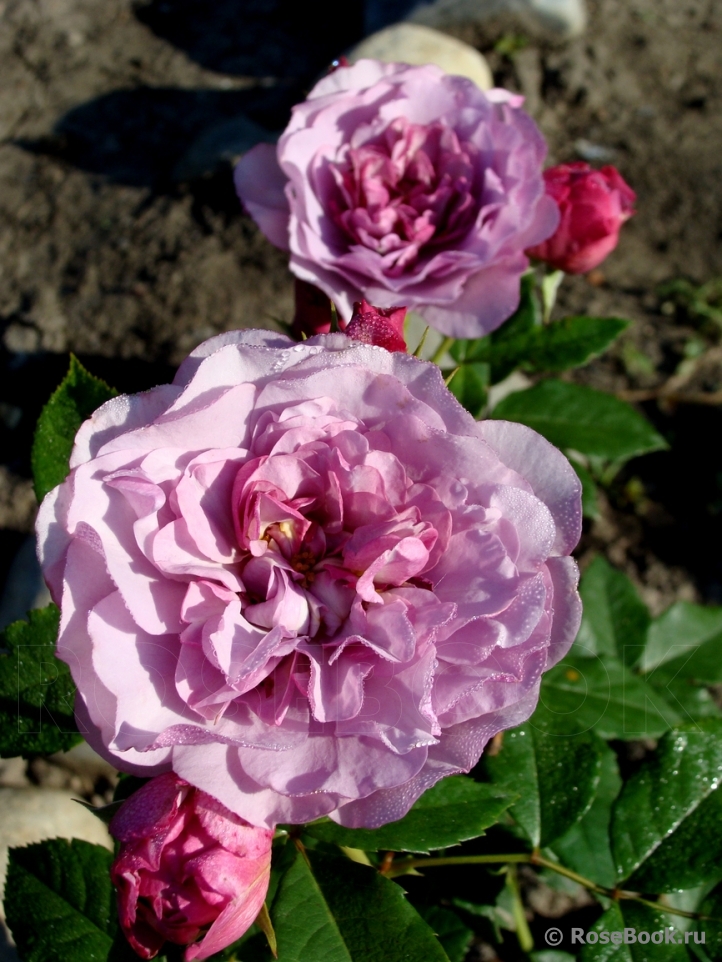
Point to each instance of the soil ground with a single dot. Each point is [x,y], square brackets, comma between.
[121,238]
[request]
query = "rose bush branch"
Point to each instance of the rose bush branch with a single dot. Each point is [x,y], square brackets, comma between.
[397,868]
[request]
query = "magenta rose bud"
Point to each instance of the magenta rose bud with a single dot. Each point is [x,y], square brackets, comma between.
[305,579]
[593,205]
[377,325]
[406,186]
[186,867]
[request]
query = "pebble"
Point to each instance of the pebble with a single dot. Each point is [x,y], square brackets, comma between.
[33,814]
[550,19]
[416,44]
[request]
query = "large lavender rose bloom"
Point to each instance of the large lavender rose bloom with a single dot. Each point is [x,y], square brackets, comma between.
[409,187]
[305,579]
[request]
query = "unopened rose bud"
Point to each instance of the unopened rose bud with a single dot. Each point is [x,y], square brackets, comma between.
[313,311]
[383,327]
[187,867]
[593,205]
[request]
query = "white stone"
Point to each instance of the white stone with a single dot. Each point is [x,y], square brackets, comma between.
[560,19]
[33,814]
[415,44]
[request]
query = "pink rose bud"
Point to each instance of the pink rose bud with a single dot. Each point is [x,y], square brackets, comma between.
[383,327]
[593,205]
[187,867]
[313,310]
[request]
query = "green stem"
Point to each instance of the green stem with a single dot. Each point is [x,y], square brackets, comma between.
[526,940]
[420,345]
[402,866]
[442,349]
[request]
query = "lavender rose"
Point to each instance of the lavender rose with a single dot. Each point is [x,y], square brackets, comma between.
[305,579]
[186,867]
[406,186]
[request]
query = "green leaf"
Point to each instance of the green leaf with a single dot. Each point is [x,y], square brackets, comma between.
[555,775]
[455,937]
[586,847]
[690,637]
[667,822]
[711,907]
[551,955]
[59,902]
[36,690]
[580,418]
[469,386]
[454,810]
[590,499]
[615,620]
[628,919]
[570,342]
[334,910]
[602,695]
[506,347]
[79,394]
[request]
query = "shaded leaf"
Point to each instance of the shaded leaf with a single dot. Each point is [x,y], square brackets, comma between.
[469,386]
[36,691]
[454,936]
[79,394]
[690,637]
[454,810]
[602,695]
[586,847]
[615,620]
[580,418]
[59,902]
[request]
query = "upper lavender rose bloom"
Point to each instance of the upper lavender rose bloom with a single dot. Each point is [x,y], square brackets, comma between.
[409,187]
[593,205]
[186,867]
[305,579]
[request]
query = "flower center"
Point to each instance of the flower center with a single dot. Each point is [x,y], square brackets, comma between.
[410,188]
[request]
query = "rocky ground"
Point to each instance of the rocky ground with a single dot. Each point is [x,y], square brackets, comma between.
[121,238]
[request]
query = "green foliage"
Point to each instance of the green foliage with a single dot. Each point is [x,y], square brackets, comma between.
[667,822]
[334,910]
[78,395]
[575,417]
[36,690]
[525,343]
[455,937]
[60,904]
[640,918]
[615,620]
[586,847]
[555,775]
[469,385]
[604,696]
[454,810]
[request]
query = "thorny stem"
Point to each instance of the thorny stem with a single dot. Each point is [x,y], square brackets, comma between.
[442,349]
[402,865]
